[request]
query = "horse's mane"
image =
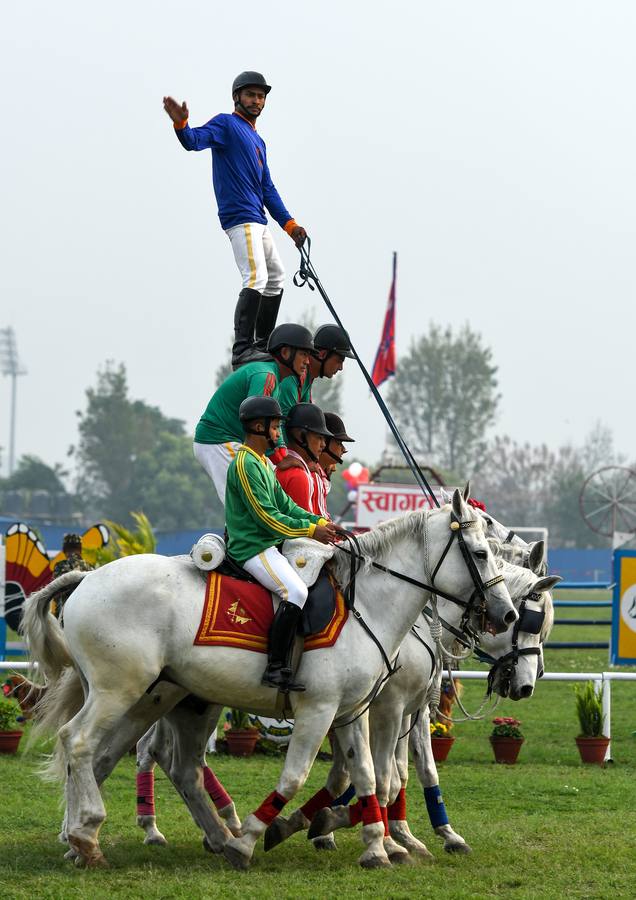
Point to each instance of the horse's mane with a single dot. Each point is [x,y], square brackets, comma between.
[376,543]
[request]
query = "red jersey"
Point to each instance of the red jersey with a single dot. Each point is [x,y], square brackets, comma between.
[299,484]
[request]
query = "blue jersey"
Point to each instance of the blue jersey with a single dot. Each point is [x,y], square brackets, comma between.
[242,184]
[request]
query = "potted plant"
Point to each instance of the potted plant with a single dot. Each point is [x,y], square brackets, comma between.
[591,742]
[506,739]
[441,740]
[240,734]
[10,717]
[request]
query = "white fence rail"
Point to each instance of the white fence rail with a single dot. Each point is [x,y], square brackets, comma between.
[602,680]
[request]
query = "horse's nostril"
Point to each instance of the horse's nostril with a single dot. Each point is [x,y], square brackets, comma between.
[526,691]
[510,617]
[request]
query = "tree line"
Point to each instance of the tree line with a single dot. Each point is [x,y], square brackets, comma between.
[131,456]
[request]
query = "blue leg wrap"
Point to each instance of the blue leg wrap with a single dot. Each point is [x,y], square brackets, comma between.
[435,806]
[345,799]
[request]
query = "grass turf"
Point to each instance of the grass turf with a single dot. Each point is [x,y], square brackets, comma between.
[547,827]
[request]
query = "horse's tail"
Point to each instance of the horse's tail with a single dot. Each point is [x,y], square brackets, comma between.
[59,702]
[44,634]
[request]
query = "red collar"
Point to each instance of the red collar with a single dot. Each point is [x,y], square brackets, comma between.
[241,116]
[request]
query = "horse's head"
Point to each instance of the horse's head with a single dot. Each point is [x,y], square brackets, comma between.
[517,655]
[465,567]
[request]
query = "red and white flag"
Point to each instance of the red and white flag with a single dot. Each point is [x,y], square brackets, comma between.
[384,365]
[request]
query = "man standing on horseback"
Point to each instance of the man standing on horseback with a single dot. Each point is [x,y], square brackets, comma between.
[244,189]
[220,432]
[259,517]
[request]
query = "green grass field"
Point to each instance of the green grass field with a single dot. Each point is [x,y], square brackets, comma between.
[547,827]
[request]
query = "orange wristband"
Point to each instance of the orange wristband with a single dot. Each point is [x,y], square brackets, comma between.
[289,226]
[178,126]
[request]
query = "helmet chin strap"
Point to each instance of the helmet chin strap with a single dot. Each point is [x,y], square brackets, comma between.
[288,365]
[330,453]
[302,442]
[267,423]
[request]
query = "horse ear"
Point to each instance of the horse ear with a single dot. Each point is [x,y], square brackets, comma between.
[546,583]
[458,504]
[467,491]
[537,556]
[445,495]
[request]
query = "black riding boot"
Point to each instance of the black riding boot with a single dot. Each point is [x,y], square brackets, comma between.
[281,643]
[266,319]
[244,319]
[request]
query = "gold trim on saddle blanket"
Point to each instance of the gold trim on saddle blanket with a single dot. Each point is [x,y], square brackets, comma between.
[226,619]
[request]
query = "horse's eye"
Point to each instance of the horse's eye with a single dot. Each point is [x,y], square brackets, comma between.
[481,554]
[488,521]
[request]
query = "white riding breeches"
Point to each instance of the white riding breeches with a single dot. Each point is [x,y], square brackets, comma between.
[257,258]
[274,572]
[216,459]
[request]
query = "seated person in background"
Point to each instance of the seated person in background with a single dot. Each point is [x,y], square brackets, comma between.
[259,517]
[72,548]
[307,436]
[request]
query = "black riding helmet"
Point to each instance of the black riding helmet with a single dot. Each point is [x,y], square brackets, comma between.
[333,339]
[306,417]
[260,407]
[289,335]
[337,428]
[249,79]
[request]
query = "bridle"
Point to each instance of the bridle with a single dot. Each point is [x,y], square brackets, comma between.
[530,621]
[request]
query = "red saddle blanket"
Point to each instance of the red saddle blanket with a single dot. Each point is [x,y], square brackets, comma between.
[238,614]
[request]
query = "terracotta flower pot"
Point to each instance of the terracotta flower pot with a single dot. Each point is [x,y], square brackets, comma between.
[241,741]
[592,749]
[9,741]
[441,747]
[506,749]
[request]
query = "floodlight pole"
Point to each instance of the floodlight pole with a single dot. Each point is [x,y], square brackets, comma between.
[11,366]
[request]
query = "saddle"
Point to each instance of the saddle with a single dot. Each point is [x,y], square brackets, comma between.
[310,560]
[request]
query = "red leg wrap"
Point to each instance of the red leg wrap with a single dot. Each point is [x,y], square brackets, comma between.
[397,810]
[145,793]
[385,819]
[318,801]
[355,813]
[270,807]
[366,810]
[215,789]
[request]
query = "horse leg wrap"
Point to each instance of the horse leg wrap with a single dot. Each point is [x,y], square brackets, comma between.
[215,789]
[318,801]
[145,794]
[270,807]
[397,809]
[385,819]
[366,810]
[346,798]
[435,806]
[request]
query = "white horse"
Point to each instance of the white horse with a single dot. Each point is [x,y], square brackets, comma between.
[129,633]
[408,692]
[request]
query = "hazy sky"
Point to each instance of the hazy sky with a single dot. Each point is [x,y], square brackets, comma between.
[492,144]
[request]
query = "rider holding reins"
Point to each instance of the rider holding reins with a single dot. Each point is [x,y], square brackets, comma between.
[259,517]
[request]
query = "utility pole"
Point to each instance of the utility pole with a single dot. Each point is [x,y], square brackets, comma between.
[11,365]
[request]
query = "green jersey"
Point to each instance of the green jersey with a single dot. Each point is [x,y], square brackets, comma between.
[289,394]
[258,512]
[220,421]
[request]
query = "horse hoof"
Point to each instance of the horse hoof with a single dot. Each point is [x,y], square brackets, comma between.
[236,858]
[421,853]
[320,824]
[458,848]
[375,862]
[71,854]
[275,834]
[207,846]
[400,859]
[156,840]
[325,843]
[98,861]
